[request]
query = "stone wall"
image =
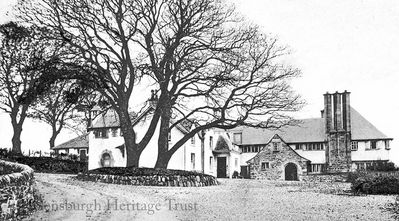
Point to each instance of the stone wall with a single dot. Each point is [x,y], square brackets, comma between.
[277,160]
[325,177]
[17,195]
[154,180]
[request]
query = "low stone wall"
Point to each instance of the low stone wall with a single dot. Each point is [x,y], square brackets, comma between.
[325,177]
[17,195]
[155,180]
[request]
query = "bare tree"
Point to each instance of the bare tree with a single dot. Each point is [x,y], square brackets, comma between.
[213,69]
[207,62]
[54,108]
[21,49]
[102,33]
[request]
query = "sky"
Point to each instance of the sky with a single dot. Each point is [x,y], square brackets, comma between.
[338,45]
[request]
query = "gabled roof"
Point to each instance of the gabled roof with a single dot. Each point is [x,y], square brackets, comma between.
[276,136]
[78,142]
[311,130]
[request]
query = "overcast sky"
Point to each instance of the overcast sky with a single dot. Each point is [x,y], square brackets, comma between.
[338,44]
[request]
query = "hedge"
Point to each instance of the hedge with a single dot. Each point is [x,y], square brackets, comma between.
[51,165]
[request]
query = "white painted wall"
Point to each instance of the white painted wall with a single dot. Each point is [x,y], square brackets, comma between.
[315,156]
[180,160]
[365,154]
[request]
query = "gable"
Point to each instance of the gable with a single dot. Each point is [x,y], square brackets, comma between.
[276,148]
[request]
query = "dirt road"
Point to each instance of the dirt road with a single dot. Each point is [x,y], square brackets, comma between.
[69,199]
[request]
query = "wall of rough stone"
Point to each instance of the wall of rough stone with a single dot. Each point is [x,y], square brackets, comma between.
[325,177]
[155,180]
[277,162]
[17,195]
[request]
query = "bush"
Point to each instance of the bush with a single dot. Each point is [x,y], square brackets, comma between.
[375,184]
[51,165]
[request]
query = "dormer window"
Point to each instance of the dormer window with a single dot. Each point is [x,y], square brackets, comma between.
[237,138]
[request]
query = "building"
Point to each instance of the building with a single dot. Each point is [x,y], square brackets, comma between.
[340,140]
[77,146]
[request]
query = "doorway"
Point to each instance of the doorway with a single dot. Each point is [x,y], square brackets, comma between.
[221,167]
[291,172]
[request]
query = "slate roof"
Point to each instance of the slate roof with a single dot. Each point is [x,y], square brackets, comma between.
[78,142]
[311,130]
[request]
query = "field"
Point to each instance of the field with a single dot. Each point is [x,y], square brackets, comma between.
[71,199]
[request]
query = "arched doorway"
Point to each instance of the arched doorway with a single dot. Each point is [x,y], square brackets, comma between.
[106,160]
[291,171]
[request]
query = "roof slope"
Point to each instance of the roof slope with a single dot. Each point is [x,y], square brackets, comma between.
[77,142]
[311,130]
[362,129]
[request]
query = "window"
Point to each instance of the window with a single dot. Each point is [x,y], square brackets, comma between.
[317,168]
[101,133]
[211,163]
[193,140]
[211,142]
[298,146]
[170,136]
[354,145]
[114,132]
[265,165]
[387,147]
[314,146]
[237,138]
[373,144]
[275,146]
[120,132]
[236,162]
[193,161]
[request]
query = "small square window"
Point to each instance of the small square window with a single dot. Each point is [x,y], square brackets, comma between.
[265,165]
[387,147]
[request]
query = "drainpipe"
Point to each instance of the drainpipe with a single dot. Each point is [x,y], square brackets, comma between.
[202,138]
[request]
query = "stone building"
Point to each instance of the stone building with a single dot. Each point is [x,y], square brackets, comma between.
[277,160]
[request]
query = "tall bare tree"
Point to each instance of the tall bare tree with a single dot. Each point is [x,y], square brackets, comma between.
[102,32]
[206,61]
[213,69]
[21,49]
[53,108]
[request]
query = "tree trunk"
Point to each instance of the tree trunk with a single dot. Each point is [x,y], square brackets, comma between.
[132,152]
[163,139]
[16,140]
[52,141]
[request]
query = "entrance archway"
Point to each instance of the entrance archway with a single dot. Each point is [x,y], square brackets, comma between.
[106,160]
[291,171]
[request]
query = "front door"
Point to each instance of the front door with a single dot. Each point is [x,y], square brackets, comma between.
[221,167]
[83,155]
[291,172]
[245,172]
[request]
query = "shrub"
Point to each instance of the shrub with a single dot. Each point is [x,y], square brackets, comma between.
[375,184]
[51,165]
